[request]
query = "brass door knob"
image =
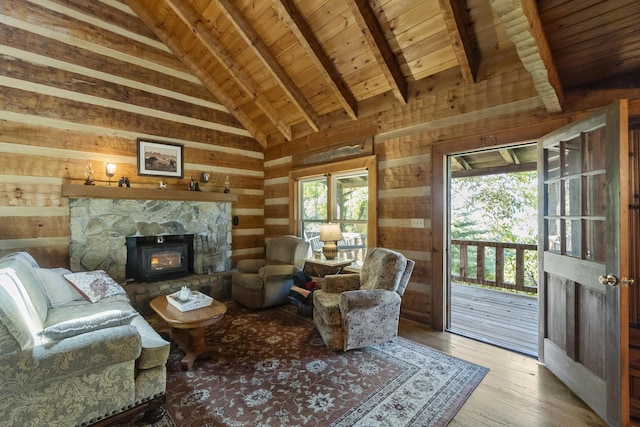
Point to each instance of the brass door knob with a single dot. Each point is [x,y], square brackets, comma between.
[609,280]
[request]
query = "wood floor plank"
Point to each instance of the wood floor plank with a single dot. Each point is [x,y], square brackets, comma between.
[517,391]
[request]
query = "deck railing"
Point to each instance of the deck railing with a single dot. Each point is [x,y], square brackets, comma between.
[515,253]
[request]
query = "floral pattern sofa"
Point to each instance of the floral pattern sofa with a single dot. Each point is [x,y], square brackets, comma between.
[65,361]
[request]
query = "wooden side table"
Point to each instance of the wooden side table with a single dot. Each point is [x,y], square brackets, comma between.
[322,267]
[187,328]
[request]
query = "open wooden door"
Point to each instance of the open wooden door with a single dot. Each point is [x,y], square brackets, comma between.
[584,247]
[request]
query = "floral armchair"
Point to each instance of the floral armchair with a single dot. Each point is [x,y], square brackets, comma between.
[359,310]
[261,283]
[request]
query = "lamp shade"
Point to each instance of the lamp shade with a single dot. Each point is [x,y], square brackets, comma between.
[330,232]
[110,169]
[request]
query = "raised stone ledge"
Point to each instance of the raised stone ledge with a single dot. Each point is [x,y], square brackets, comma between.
[217,286]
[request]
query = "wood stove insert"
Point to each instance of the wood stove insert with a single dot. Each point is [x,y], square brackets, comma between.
[156,258]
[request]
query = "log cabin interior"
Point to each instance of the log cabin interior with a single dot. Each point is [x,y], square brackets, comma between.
[264,91]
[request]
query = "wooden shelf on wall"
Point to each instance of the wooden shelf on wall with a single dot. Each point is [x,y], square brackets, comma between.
[99,192]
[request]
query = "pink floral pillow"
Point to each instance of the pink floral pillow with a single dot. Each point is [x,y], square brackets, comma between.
[95,285]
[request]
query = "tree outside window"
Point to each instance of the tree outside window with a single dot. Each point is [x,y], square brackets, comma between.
[336,192]
[497,208]
[349,207]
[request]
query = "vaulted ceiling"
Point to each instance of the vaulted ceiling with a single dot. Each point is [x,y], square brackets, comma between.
[281,66]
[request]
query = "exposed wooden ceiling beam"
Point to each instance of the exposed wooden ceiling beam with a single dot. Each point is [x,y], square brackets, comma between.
[461,162]
[515,157]
[203,33]
[509,156]
[166,37]
[457,20]
[522,24]
[299,27]
[372,31]
[524,167]
[260,49]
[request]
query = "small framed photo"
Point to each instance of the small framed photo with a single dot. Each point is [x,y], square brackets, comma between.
[160,159]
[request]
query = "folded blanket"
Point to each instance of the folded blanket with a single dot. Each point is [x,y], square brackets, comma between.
[299,293]
[303,298]
[314,284]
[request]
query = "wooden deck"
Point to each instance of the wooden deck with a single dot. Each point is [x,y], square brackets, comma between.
[500,318]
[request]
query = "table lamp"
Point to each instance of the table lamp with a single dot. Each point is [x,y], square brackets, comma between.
[330,234]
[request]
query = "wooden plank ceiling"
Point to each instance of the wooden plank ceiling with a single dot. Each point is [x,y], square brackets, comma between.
[521,158]
[280,66]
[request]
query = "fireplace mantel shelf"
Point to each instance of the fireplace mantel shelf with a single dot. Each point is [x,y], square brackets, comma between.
[99,192]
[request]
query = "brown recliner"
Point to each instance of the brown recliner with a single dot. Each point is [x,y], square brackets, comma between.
[261,283]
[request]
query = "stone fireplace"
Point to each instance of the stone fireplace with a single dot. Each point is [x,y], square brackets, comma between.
[100,226]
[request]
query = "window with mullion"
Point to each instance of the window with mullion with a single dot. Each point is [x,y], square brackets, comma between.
[340,193]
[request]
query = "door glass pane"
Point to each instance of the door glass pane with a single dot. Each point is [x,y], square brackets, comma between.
[573,205]
[595,192]
[553,162]
[595,241]
[553,199]
[553,231]
[573,234]
[594,156]
[572,151]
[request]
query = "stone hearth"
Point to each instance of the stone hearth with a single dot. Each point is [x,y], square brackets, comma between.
[217,286]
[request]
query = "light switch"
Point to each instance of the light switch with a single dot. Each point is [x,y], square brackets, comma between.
[417,223]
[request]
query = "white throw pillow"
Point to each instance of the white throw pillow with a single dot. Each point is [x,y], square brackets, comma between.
[58,290]
[95,285]
[86,324]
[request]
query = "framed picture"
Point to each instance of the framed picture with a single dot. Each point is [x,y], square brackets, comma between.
[160,159]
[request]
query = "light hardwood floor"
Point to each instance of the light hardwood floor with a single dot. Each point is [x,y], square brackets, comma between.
[517,391]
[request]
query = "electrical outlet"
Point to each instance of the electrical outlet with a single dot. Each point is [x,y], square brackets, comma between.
[417,223]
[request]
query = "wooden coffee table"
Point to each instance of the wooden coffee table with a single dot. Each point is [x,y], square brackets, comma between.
[187,328]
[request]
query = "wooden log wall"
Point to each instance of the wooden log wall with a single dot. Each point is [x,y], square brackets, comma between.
[80,81]
[442,112]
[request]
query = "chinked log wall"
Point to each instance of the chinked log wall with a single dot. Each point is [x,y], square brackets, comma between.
[403,139]
[442,112]
[79,84]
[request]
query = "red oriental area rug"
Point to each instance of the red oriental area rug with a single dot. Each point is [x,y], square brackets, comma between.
[274,370]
